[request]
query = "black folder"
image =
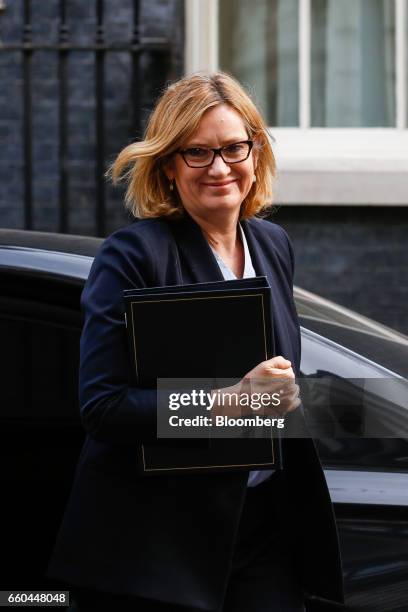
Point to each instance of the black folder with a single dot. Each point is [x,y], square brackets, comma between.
[212,331]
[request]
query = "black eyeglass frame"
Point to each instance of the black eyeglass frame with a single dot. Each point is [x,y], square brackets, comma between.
[217,151]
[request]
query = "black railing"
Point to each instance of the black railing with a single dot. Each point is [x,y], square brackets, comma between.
[158,48]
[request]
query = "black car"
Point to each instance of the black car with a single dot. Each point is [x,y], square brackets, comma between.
[350,357]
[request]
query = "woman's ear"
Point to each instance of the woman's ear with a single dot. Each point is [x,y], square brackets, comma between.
[168,169]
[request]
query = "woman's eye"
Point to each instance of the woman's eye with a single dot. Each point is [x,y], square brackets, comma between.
[234,148]
[197,152]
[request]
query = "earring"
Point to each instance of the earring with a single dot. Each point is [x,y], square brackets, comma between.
[171,186]
[254,179]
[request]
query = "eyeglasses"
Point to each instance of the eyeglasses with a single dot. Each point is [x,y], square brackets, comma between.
[200,157]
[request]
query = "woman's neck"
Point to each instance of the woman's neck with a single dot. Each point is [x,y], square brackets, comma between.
[225,239]
[220,233]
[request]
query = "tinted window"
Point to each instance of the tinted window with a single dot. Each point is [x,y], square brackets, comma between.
[40,433]
[389,353]
[40,348]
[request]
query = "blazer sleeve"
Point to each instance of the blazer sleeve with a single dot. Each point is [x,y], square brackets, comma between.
[110,409]
[292,305]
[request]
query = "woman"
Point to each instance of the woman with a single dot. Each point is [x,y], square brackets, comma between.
[226,541]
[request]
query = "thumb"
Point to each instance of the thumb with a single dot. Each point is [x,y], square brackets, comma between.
[280,362]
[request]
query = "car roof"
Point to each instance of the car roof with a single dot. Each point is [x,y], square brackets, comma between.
[66,243]
[67,258]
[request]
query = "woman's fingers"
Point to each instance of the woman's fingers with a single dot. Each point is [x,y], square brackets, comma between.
[278,373]
[290,389]
[277,366]
[282,385]
[289,398]
[293,403]
[278,362]
[274,376]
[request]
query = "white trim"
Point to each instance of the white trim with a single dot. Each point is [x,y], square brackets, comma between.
[401,68]
[341,166]
[201,43]
[304,63]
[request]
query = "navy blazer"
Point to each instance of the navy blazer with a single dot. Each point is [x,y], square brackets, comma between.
[151,537]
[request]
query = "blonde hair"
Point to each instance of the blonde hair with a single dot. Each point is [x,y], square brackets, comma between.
[175,118]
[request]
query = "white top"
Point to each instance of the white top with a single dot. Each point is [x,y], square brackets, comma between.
[256,476]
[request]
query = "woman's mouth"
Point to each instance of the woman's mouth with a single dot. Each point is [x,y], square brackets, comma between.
[220,184]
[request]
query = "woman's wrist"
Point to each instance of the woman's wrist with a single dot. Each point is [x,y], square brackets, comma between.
[226,400]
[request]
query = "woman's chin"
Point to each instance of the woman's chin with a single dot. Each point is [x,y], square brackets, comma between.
[221,203]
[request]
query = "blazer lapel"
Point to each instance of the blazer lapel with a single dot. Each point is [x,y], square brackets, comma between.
[197,262]
[267,264]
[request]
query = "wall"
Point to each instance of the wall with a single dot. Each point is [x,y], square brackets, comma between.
[158,18]
[356,256]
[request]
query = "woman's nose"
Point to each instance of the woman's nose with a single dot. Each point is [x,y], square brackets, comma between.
[219,166]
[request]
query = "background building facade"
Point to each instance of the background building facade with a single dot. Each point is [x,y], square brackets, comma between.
[78,79]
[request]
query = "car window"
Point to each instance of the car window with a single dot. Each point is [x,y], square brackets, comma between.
[357,411]
[387,352]
[314,307]
[368,338]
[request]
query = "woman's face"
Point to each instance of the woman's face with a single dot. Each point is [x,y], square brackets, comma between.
[221,187]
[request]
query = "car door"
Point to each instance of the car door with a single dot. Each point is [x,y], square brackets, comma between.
[39,423]
[361,413]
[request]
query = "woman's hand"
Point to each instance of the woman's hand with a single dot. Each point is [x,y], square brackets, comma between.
[274,378]
[277,367]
